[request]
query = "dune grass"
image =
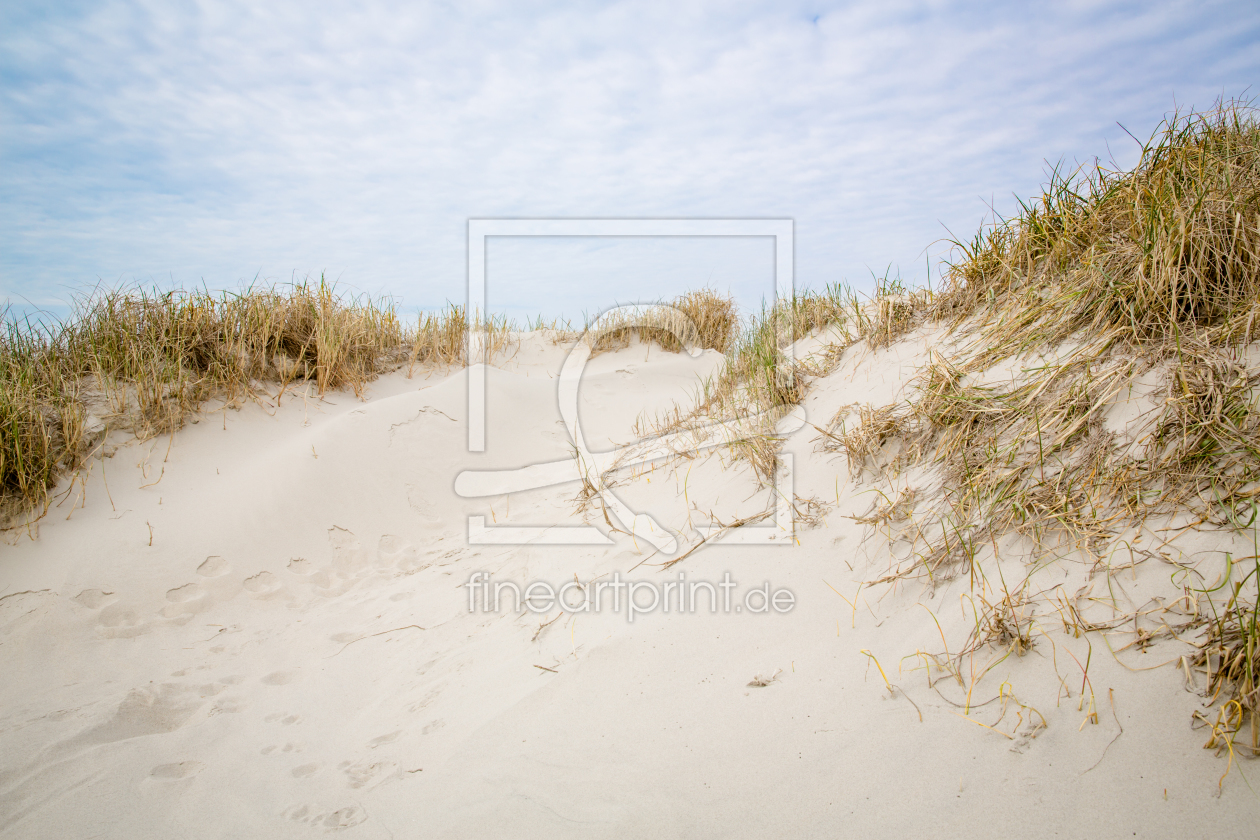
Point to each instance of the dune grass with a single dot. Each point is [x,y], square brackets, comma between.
[156,357]
[1154,268]
[1157,268]
[759,380]
[441,338]
[762,379]
[1167,250]
[143,361]
[1054,315]
[1230,656]
[41,419]
[701,318]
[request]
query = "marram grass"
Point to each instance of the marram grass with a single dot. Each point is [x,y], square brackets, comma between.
[1107,277]
[144,361]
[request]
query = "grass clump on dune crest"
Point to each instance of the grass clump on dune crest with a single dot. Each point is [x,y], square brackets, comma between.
[1168,249]
[158,356]
[701,318]
[143,361]
[442,338]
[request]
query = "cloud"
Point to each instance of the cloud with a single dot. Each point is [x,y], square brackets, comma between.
[170,143]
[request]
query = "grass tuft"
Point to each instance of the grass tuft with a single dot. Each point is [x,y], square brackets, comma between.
[701,318]
[143,361]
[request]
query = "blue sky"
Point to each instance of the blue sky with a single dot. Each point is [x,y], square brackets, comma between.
[169,144]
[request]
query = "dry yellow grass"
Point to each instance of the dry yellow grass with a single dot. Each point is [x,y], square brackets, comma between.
[701,318]
[1106,276]
[144,361]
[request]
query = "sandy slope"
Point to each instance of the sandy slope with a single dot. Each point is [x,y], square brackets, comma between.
[260,629]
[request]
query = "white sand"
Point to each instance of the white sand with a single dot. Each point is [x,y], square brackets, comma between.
[260,630]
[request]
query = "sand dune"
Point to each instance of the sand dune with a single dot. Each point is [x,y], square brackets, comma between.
[261,627]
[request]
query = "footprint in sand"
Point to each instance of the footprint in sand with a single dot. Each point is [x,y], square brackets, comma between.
[210,690]
[384,739]
[350,562]
[282,718]
[301,566]
[347,553]
[262,585]
[346,817]
[149,710]
[330,584]
[363,773]
[280,678]
[178,770]
[94,599]
[342,539]
[121,622]
[390,544]
[305,770]
[229,706]
[185,600]
[184,594]
[287,748]
[425,701]
[214,566]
